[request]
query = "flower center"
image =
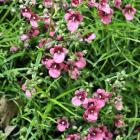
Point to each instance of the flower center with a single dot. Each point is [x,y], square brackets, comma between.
[63,122]
[58,51]
[100,96]
[91,104]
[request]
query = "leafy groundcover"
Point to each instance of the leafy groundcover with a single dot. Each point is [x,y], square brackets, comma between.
[69,69]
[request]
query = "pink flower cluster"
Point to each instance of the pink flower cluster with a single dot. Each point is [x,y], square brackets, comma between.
[105,12]
[73,137]
[92,105]
[28,91]
[56,64]
[99,133]
[33,19]
[75,3]
[55,61]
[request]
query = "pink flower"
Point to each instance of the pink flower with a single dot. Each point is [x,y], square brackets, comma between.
[103,6]
[80,62]
[46,20]
[75,3]
[44,60]
[28,93]
[24,37]
[106,18]
[72,69]
[24,87]
[47,3]
[34,20]
[94,134]
[99,133]
[92,3]
[52,33]
[13,49]
[74,73]
[33,32]
[107,134]
[2,0]
[118,120]
[129,12]
[73,20]
[80,96]
[102,96]
[26,12]
[59,38]
[42,42]
[54,68]
[89,37]
[73,137]
[91,114]
[91,102]
[62,124]
[118,103]
[119,106]
[58,53]
[117,3]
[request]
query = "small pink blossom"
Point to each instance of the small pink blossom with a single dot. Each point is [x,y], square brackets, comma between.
[103,6]
[102,96]
[42,42]
[46,20]
[44,60]
[24,87]
[58,53]
[34,20]
[74,73]
[62,124]
[54,68]
[26,12]
[47,3]
[24,37]
[73,137]
[118,103]
[107,134]
[94,134]
[59,38]
[2,0]
[117,3]
[72,69]
[75,3]
[99,133]
[129,12]
[119,120]
[80,96]
[89,37]
[14,49]
[91,102]
[93,3]
[28,93]
[73,20]
[52,33]
[80,60]
[33,32]
[91,114]
[106,18]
